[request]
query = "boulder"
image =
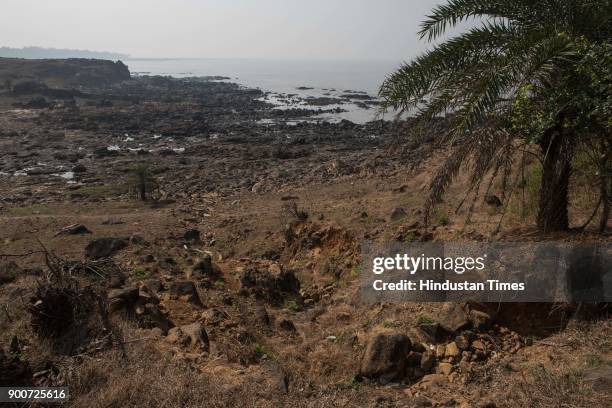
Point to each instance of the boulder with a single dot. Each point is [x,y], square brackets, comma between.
[9,271]
[154,285]
[452,350]
[122,299]
[493,200]
[191,335]
[104,247]
[14,371]
[287,325]
[275,378]
[398,214]
[427,361]
[138,240]
[429,332]
[445,368]
[187,291]
[480,320]
[273,285]
[192,235]
[152,317]
[462,342]
[385,356]
[261,315]
[452,317]
[147,295]
[116,280]
[203,268]
[214,316]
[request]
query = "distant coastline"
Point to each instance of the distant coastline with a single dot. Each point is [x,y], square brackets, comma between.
[42,53]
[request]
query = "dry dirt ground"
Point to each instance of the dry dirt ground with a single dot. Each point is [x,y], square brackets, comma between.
[248,333]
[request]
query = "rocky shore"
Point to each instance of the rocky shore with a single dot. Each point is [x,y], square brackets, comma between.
[201,133]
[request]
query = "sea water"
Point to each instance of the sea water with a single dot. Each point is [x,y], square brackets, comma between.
[327,78]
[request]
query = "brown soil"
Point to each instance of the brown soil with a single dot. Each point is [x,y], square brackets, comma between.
[239,192]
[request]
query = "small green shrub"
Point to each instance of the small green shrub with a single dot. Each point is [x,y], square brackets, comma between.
[423,319]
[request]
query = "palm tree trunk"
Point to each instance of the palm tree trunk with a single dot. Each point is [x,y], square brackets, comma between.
[606,191]
[552,213]
[605,179]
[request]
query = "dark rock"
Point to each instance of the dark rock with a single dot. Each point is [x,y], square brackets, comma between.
[481,315]
[463,342]
[187,290]
[38,102]
[79,168]
[14,371]
[112,221]
[104,103]
[153,317]
[147,295]
[166,152]
[414,359]
[74,229]
[275,378]
[138,240]
[385,356]
[192,235]
[104,247]
[493,200]
[203,268]
[122,299]
[191,335]
[272,285]
[116,280]
[452,317]
[430,332]
[427,361]
[154,285]
[28,88]
[214,316]
[261,315]
[9,271]
[287,325]
[104,152]
[480,320]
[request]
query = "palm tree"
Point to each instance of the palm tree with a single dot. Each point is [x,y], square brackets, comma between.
[517,49]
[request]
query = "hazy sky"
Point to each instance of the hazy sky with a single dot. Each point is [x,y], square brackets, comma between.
[355,29]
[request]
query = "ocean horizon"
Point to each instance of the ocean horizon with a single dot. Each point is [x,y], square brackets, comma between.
[314,78]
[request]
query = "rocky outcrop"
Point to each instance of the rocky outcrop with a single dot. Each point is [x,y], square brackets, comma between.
[273,285]
[187,291]
[61,73]
[385,356]
[193,336]
[104,247]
